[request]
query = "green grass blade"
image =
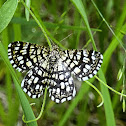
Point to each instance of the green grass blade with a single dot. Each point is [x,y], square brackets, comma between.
[28,2]
[2,113]
[109,26]
[7,12]
[79,5]
[24,102]
[107,102]
[108,53]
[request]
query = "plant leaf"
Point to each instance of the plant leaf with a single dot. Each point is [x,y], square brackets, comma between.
[7,12]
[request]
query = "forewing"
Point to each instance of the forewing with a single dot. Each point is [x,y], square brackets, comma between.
[82,63]
[61,85]
[35,82]
[24,56]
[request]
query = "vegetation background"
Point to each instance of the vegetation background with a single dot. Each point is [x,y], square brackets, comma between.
[68,22]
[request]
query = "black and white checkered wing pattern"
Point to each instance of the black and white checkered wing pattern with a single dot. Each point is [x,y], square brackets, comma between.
[52,68]
[61,87]
[35,82]
[23,55]
[82,63]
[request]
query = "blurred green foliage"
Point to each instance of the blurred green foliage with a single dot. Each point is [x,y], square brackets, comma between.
[68,22]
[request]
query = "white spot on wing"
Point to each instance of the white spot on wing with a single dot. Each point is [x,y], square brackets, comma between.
[62,85]
[57,100]
[16,48]
[63,100]
[85,53]
[33,96]
[29,93]
[22,61]
[78,57]
[10,57]
[29,81]
[58,90]
[9,53]
[36,80]
[9,45]
[85,70]
[85,78]
[61,77]
[74,92]
[69,98]
[101,56]
[94,72]
[37,86]
[25,90]
[11,61]
[14,65]
[86,60]
[87,66]
[100,61]
[19,69]
[22,83]
[60,68]
[68,61]
[93,58]
[39,95]
[29,63]
[20,58]
[67,88]
[72,65]
[90,75]
[40,72]
[70,80]
[52,98]
[77,70]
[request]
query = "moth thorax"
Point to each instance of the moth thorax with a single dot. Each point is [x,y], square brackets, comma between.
[54,55]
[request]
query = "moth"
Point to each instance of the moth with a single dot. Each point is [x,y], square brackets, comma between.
[53,68]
